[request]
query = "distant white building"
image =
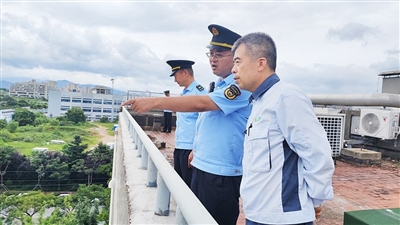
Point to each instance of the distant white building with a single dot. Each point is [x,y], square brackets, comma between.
[72,88]
[32,89]
[94,105]
[7,114]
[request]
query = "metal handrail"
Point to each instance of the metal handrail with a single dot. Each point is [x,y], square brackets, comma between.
[188,204]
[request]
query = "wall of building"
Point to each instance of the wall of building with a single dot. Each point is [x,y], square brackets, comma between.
[391,85]
[7,114]
[32,89]
[95,106]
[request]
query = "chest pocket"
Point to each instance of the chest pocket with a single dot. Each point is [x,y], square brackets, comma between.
[258,152]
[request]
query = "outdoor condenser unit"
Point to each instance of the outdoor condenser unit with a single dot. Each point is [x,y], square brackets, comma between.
[334,128]
[379,123]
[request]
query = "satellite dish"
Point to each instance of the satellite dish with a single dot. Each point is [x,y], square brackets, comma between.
[370,123]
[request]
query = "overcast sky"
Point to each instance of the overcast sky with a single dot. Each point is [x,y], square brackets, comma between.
[335,47]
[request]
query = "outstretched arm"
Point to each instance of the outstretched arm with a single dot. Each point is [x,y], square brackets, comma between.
[193,103]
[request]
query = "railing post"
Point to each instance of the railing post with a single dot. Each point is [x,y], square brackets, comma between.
[179,218]
[145,156]
[151,173]
[159,173]
[163,198]
[136,138]
[139,148]
[133,132]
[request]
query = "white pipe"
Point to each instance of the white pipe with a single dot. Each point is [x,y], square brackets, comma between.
[375,99]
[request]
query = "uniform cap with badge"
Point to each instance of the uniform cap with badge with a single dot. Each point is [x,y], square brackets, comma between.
[222,39]
[179,64]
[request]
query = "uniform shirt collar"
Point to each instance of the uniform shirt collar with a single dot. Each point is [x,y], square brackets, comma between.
[190,87]
[226,80]
[264,87]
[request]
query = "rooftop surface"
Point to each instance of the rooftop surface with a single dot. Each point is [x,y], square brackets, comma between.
[355,187]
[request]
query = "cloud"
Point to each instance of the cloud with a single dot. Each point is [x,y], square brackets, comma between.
[92,41]
[352,31]
[330,79]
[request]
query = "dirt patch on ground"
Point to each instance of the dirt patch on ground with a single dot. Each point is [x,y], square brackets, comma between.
[104,134]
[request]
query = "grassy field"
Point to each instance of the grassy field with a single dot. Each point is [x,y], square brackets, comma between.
[28,137]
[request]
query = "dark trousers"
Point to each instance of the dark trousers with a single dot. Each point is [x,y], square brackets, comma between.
[167,121]
[249,222]
[181,165]
[218,194]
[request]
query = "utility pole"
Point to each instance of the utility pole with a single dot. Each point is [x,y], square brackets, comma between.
[112,99]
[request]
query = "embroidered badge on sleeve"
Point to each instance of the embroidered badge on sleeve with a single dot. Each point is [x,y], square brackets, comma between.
[232,92]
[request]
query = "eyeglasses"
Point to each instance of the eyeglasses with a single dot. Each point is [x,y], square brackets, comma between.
[216,55]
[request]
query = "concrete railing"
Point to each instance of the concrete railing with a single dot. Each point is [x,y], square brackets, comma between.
[159,173]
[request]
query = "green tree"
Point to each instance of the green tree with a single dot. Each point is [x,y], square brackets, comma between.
[59,169]
[99,156]
[24,117]
[75,115]
[8,101]
[40,118]
[3,123]
[5,160]
[22,103]
[75,151]
[39,161]
[104,119]
[85,215]
[12,126]
[25,206]
[3,207]
[58,217]
[98,195]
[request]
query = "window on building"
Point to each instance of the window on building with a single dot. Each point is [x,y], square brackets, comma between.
[87,109]
[65,99]
[87,100]
[107,110]
[65,108]
[77,100]
[107,102]
[117,102]
[96,109]
[97,101]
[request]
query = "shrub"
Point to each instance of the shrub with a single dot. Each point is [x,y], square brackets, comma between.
[54,122]
[12,126]
[104,119]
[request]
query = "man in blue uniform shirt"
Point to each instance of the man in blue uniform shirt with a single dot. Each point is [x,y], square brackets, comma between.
[218,144]
[287,163]
[167,117]
[183,73]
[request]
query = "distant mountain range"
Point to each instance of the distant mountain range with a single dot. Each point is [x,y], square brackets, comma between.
[60,84]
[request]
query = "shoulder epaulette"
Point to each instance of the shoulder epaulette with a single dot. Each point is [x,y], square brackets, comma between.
[199,87]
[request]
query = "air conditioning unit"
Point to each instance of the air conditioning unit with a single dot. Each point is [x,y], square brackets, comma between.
[377,123]
[334,128]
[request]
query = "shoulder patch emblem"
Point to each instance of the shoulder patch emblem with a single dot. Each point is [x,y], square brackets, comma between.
[232,92]
[199,87]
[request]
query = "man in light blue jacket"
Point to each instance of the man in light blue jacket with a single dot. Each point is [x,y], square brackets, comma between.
[287,162]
